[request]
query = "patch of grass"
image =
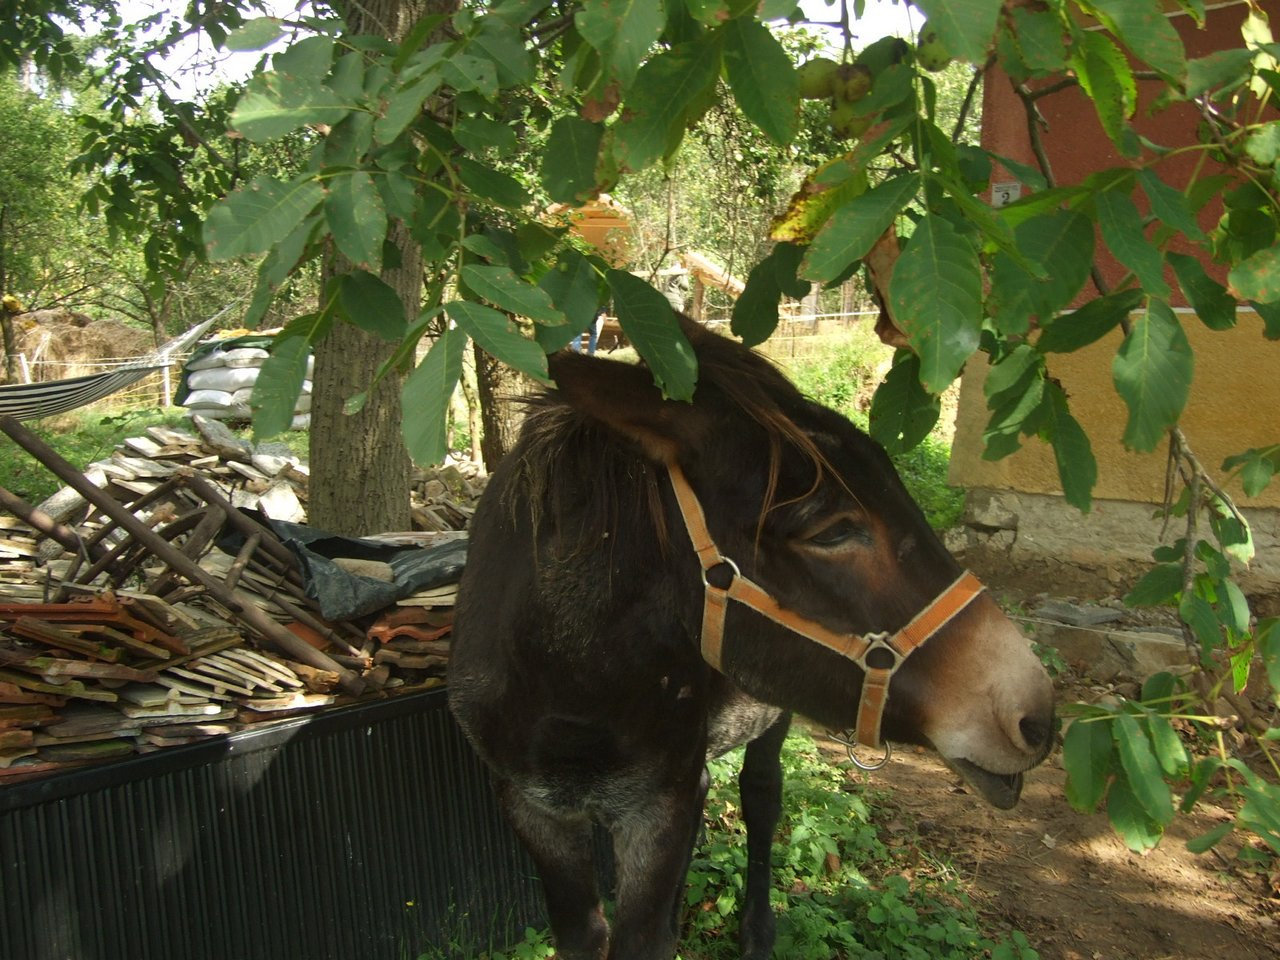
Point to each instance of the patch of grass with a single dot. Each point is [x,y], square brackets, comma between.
[80,438]
[84,436]
[844,379]
[839,889]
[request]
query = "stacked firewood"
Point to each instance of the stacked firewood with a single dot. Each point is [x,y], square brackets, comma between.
[140,608]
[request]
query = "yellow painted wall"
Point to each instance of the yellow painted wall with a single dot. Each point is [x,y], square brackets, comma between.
[1234,405]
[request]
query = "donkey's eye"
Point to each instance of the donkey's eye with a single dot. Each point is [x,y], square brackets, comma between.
[837,533]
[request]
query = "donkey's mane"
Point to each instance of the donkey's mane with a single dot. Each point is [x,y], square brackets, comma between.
[584,478]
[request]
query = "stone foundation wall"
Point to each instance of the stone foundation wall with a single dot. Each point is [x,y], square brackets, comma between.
[1037,543]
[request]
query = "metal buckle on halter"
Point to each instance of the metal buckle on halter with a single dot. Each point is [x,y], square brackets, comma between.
[849,739]
[875,643]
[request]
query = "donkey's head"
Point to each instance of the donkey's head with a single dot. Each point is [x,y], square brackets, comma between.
[812,513]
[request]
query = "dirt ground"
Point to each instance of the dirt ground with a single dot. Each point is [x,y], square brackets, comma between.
[1071,886]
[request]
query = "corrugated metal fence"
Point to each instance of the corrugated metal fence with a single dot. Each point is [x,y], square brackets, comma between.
[360,834]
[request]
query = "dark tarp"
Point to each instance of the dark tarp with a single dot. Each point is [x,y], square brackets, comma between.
[346,596]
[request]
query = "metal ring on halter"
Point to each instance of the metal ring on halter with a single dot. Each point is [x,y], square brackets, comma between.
[721,561]
[848,740]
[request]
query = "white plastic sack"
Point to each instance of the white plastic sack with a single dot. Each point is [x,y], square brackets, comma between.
[208,398]
[222,378]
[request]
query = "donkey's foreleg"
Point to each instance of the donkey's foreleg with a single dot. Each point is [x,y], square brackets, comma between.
[760,784]
[652,849]
[561,849]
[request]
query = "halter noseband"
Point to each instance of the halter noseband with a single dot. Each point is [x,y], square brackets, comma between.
[879,655]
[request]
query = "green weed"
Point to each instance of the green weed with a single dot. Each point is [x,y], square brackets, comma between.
[838,889]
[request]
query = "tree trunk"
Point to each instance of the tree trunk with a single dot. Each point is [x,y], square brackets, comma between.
[360,470]
[6,320]
[498,385]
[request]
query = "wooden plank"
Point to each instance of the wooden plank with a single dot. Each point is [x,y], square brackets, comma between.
[70,688]
[44,632]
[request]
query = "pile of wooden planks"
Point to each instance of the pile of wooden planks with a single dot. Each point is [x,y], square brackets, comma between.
[125,628]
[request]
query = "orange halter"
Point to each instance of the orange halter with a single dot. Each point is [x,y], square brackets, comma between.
[879,655]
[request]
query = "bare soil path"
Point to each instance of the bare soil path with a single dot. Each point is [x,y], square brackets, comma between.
[1069,884]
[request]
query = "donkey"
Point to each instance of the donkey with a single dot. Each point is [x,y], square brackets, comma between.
[651,583]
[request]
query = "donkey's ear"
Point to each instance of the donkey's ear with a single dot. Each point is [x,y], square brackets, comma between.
[623,397]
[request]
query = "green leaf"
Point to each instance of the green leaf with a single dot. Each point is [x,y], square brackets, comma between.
[372,305]
[498,336]
[349,140]
[255,34]
[1169,204]
[821,193]
[1210,838]
[1197,613]
[1069,332]
[569,160]
[935,297]
[427,392]
[573,285]
[1086,756]
[1072,451]
[502,44]
[492,185]
[855,227]
[1130,820]
[1222,68]
[404,106]
[1159,689]
[1152,372]
[1263,144]
[965,27]
[308,59]
[357,218]
[1202,773]
[1014,388]
[1257,466]
[650,324]
[762,79]
[1143,772]
[1266,637]
[466,72]
[1160,585]
[259,215]
[1270,314]
[480,133]
[1121,226]
[280,379]
[1168,748]
[1145,29]
[1258,277]
[755,313]
[276,267]
[1106,77]
[902,411]
[1038,34]
[622,31]
[501,287]
[1208,298]
[1061,242]
[653,118]
[274,104]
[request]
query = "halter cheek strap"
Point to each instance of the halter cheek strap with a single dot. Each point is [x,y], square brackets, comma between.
[879,655]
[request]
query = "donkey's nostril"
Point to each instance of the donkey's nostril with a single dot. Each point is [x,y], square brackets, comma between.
[1035,731]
